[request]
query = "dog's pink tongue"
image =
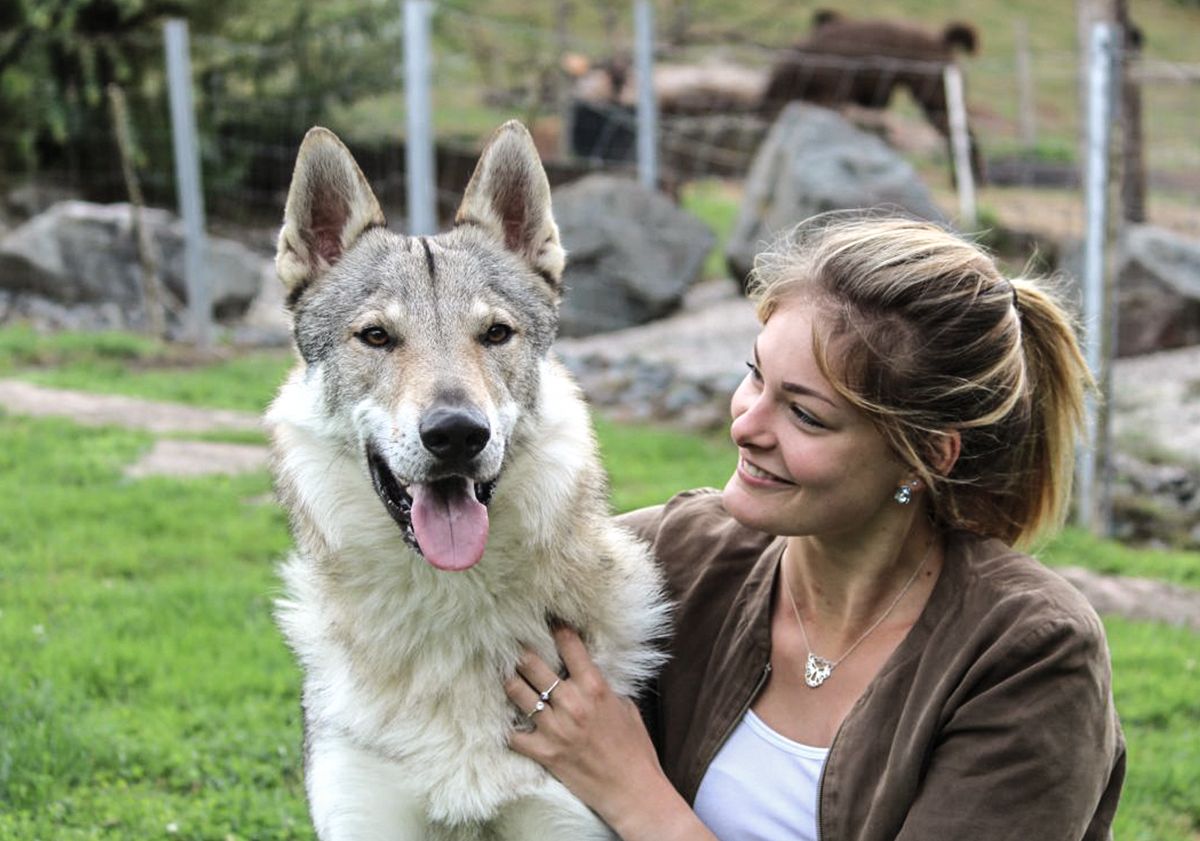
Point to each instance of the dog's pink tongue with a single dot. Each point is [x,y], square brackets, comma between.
[450,523]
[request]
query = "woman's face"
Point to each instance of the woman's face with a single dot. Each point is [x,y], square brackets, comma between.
[809,463]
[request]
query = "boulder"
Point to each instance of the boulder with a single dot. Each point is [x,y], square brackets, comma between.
[78,254]
[1158,297]
[812,161]
[631,254]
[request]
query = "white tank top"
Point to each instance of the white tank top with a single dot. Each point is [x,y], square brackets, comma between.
[761,786]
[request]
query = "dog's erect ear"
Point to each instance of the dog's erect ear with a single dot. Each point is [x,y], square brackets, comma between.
[329,205]
[509,197]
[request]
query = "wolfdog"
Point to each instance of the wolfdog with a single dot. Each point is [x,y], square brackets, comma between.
[446,501]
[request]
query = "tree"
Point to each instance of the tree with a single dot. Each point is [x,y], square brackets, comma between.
[267,69]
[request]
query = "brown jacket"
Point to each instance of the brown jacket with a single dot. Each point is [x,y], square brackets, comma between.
[993,719]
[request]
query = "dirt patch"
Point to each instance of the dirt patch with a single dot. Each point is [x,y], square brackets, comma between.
[169,457]
[112,410]
[1137,598]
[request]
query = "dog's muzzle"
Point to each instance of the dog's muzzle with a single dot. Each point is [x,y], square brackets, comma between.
[444,519]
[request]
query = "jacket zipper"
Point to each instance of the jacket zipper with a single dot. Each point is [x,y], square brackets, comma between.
[762,679]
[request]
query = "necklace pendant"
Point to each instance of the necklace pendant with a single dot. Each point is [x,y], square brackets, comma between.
[816,670]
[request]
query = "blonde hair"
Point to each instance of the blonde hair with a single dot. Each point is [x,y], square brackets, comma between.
[920,331]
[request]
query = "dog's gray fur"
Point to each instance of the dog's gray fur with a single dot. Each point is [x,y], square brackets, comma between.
[405,715]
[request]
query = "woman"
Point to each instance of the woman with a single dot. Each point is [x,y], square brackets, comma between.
[859,653]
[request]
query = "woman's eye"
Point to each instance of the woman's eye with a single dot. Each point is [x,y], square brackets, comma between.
[806,419]
[497,334]
[375,337]
[754,371]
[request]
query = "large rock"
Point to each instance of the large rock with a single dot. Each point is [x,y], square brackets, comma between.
[814,161]
[631,254]
[1158,297]
[78,254]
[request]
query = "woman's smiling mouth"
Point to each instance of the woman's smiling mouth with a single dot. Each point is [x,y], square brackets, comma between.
[756,473]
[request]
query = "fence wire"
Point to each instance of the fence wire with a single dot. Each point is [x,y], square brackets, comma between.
[255,100]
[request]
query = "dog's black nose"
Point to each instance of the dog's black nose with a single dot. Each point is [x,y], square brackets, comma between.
[454,433]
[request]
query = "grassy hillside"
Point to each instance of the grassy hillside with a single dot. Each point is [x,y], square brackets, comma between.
[148,694]
[517,38]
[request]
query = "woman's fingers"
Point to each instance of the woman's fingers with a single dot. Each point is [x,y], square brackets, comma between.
[522,695]
[536,682]
[573,652]
[536,672]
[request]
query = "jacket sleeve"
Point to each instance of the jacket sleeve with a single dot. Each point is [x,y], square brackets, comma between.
[643,522]
[1032,751]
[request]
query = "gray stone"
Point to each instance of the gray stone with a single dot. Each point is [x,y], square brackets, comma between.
[812,161]
[632,254]
[30,199]
[77,253]
[1158,291]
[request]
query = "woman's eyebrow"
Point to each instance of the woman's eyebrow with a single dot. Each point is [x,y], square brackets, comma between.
[795,388]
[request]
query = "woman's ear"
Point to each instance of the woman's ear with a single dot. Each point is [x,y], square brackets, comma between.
[944,449]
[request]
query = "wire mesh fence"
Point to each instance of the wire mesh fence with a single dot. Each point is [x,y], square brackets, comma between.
[573,84]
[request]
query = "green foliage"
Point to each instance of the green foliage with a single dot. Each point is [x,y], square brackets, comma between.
[299,58]
[56,61]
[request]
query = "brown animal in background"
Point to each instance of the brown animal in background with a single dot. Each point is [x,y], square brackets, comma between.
[862,62]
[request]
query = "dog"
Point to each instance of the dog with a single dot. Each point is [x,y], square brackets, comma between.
[447,504]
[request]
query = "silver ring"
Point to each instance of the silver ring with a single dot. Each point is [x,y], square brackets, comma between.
[545,696]
[537,708]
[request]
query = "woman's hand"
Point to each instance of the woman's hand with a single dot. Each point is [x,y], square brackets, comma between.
[593,740]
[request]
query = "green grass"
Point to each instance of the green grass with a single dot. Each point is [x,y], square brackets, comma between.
[649,465]
[716,203]
[245,383]
[147,693]
[475,53]
[144,685]
[23,347]
[121,363]
[1076,547]
[1156,684]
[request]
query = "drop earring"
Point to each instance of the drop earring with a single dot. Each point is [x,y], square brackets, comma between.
[903,495]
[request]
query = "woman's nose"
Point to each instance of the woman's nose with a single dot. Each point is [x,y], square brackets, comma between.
[749,410]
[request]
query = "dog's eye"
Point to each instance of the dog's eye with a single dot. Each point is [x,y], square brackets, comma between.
[375,337]
[497,334]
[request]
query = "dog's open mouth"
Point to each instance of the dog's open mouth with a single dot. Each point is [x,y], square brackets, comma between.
[446,520]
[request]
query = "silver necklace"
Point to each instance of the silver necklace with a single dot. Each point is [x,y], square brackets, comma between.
[817,669]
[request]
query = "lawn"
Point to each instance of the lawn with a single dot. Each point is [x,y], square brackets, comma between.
[148,695]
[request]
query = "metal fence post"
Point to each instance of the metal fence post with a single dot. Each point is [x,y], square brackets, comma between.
[647,108]
[187,181]
[1026,95]
[422,196]
[1093,475]
[960,143]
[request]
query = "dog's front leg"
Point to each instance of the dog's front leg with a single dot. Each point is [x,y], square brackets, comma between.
[551,814]
[355,795]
